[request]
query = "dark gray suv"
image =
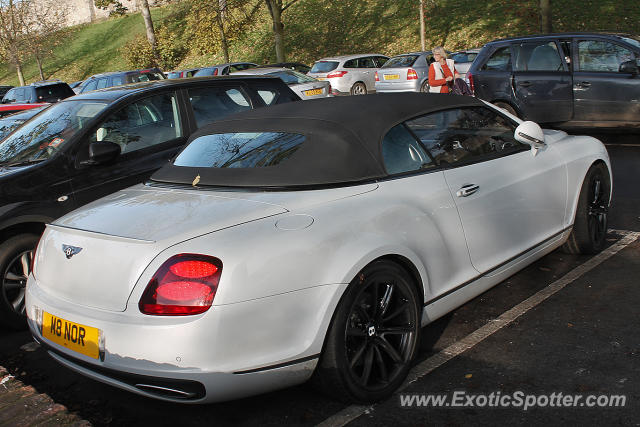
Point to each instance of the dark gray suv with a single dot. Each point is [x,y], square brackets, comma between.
[570,80]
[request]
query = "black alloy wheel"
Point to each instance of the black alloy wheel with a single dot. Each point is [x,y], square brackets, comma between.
[590,226]
[16,262]
[373,337]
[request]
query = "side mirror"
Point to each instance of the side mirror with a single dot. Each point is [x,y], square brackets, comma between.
[630,67]
[102,152]
[530,133]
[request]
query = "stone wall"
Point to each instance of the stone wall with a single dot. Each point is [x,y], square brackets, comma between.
[84,11]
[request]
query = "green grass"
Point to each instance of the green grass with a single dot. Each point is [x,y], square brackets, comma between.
[317,28]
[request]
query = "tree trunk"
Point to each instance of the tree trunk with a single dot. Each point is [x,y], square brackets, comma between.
[19,71]
[92,10]
[423,44]
[148,24]
[39,62]
[220,16]
[275,9]
[545,16]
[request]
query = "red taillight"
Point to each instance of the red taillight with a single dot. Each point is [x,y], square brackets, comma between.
[185,284]
[329,89]
[471,85]
[411,74]
[215,72]
[336,74]
[377,78]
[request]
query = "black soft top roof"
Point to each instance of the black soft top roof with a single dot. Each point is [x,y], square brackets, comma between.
[342,145]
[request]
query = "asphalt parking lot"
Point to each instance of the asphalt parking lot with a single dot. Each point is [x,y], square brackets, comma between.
[565,324]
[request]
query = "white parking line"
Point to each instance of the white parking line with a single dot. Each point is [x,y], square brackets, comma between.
[352,412]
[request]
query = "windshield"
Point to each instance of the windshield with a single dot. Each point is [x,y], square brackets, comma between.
[293,77]
[633,40]
[11,122]
[400,61]
[46,134]
[145,77]
[324,66]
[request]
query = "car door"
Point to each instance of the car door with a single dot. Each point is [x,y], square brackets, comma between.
[492,81]
[509,200]
[149,131]
[367,68]
[601,91]
[542,83]
[415,179]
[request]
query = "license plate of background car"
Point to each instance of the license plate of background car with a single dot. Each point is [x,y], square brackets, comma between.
[74,336]
[391,76]
[312,92]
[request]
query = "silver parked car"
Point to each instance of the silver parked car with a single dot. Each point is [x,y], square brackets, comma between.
[408,72]
[224,69]
[305,86]
[349,74]
[463,60]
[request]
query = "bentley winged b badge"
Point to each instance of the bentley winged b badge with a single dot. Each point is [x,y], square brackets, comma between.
[70,251]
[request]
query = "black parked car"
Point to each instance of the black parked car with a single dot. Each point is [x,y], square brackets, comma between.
[46,91]
[93,144]
[572,80]
[4,90]
[117,78]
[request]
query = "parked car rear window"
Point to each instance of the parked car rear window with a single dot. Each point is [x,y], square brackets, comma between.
[53,93]
[240,150]
[499,61]
[292,77]
[464,57]
[324,66]
[401,61]
[144,77]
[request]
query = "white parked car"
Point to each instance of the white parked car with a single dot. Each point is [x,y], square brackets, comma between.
[304,86]
[309,239]
[349,74]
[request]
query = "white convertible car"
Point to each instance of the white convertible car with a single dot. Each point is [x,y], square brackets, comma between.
[309,240]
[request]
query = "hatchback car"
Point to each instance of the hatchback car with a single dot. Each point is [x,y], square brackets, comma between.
[38,92]
[570,80]
[309,240]
[408,72]
[349,74]
[224,69]
[306,87]
[95,143]
[117,78]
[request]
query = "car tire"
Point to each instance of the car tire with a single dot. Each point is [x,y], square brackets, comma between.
[589,232]
[358,89]
[16,260]
[507,107]
[367,355]
[425,86]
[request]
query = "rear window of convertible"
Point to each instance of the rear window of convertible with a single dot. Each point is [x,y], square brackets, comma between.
[240,150]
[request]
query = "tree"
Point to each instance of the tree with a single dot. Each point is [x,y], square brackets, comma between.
[276,9]
[11,37]
[423,44]
[148,24]
[545,16]
[221,15]
[42,29]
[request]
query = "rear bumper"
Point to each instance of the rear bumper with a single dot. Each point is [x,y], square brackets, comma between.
[412,86]
[229,352]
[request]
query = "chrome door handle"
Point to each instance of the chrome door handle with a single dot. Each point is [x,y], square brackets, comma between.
[583,85]
[524,84]
[467,190]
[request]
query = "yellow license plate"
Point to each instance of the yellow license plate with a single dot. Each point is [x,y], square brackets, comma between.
[321,78]
[312,92]
[79,338]
[391,76]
